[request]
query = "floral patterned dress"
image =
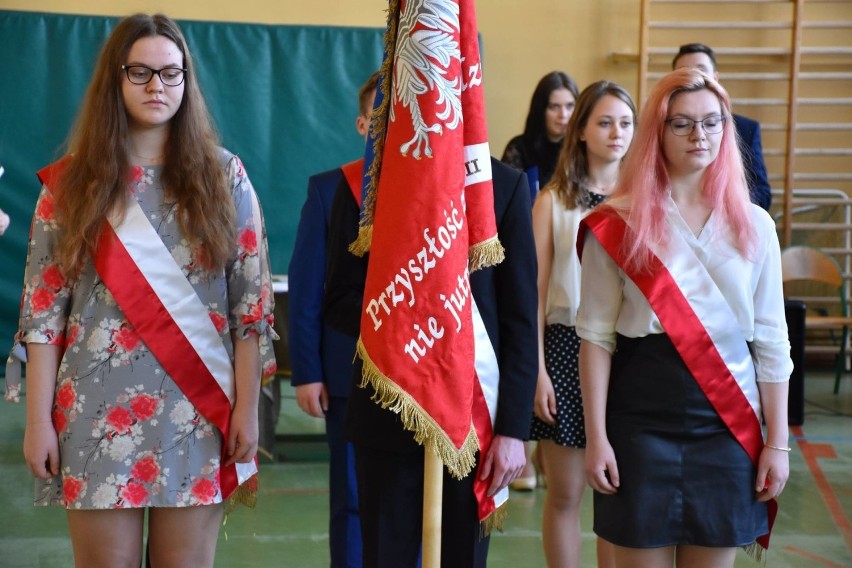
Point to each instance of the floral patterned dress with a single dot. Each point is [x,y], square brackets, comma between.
[128,436]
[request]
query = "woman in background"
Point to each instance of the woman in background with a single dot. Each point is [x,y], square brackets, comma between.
[146,312]
[684,348]
[535,152]
[598,136]
[537,149]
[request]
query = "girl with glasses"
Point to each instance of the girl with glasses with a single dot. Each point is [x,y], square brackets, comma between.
[684,351]
[146,314]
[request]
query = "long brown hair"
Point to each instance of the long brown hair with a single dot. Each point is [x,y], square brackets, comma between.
[572,168]
[94,183]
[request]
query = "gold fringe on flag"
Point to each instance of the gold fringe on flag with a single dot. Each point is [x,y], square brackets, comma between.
[487,253]
[378,129]
[494,521]
[459,462]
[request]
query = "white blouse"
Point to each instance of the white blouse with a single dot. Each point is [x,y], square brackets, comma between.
[563,289]
[612,304]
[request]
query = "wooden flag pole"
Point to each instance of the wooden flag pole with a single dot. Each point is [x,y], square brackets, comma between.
[433,488]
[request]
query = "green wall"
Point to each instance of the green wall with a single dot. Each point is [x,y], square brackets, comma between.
[283,97]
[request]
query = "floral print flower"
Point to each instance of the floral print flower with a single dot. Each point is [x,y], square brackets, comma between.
[66,395]
[44,209]
[144,406]
[254,314]
[106,495]
[60,421]
[183,256]
[134,494]
[125,337]
[204,491]
[120,420]
[219,321]
[71,334]
[120,448]
[42,299]
[183,413]
[72,489]
[270,368]
[146,469]
[53,277]
[248,242]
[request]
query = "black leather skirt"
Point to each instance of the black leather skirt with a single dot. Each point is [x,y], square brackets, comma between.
[684,477]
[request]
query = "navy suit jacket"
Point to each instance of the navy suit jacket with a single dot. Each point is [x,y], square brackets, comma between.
[506,295]
[317,352]
[748,133]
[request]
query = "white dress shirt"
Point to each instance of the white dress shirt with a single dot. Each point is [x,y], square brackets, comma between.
[612,304]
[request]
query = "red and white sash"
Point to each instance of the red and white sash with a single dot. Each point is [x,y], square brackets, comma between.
[485,391]
[701,325]
[161,304]
[354,174]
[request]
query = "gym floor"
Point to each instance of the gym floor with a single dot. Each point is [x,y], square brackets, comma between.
[289,525]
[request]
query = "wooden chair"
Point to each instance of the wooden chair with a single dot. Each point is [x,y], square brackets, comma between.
[809,264]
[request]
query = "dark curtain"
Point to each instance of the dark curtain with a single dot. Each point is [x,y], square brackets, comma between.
[283,97]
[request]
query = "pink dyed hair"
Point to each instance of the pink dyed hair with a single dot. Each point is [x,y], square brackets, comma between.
[644,185]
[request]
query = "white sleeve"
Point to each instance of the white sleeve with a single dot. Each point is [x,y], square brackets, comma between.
[770,346]
[601,295]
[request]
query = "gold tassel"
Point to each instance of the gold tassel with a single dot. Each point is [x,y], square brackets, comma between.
[459,462]
[756,552]
[361,246]
[487,253]
[245,494]
[378,130]
[494,521]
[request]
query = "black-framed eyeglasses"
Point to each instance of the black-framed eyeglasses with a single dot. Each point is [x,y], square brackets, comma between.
[682,126]
[142,75]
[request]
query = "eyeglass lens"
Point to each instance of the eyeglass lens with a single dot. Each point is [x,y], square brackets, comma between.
[682,126]
[141,75]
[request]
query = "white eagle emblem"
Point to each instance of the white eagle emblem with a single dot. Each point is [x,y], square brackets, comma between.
[423,63]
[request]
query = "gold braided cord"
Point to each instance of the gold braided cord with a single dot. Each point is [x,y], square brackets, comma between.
[494,521]
[486,253]
[378,131]
[427,432]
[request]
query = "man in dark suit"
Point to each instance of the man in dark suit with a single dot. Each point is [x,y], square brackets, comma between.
[700,56]
[389,463]
[321,357]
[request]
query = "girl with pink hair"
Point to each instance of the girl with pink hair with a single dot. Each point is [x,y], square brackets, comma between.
[684,352]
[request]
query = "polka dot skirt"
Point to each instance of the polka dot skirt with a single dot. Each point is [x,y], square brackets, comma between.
[561,353]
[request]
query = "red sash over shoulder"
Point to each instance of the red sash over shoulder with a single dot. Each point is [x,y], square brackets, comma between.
[689,336]
[176,336]
[354,174]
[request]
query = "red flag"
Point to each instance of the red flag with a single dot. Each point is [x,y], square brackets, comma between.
[431,207]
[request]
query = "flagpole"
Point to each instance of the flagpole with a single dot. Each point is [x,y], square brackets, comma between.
[433,487]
